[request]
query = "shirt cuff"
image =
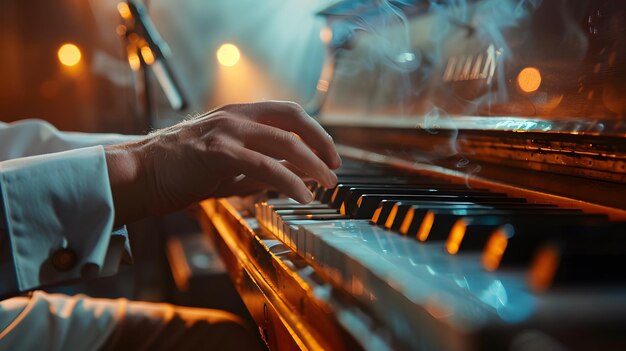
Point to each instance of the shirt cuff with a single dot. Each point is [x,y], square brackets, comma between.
[122,233]
[58,217]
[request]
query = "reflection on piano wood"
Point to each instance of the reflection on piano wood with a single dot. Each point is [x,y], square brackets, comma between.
[411,259]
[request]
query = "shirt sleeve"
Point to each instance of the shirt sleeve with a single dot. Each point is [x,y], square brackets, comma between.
[56,214]
[36,137]
[56,219]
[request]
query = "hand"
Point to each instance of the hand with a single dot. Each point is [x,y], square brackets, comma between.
[233,150]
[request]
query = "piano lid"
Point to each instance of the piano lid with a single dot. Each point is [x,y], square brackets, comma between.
[529,65]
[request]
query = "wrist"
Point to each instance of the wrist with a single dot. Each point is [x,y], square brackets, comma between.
[127,181]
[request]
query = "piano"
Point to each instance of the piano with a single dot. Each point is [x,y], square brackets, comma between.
[481,204]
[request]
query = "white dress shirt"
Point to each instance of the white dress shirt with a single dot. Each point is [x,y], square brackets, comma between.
[56,209]
[60,201]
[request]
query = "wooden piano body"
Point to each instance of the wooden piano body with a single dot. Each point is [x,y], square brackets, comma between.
[542,121]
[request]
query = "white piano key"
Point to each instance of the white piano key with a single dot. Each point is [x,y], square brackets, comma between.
[274,218]
[289,230]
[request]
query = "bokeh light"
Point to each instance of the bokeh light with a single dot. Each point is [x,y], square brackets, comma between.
[124,10]
[529,79]
[147,54]
[69,54]
[228,55]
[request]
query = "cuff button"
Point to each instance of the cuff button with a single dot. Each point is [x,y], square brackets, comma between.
[64,259]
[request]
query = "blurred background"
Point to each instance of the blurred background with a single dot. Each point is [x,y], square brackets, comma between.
[67,61]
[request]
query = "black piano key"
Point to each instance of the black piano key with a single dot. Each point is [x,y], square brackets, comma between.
[398,212]
[365,206]
[325,195]
[465,237]
[382,212]
[580,260]
[348,190]
[442,222]
[512,245]
[317,193]
[413,219]
[344,190]
[470,233]
[391,214]
[350,202]
[385,208]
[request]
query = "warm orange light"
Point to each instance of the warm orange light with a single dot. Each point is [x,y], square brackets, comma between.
[121,30]
[391,217]
[134,38]
[359,202]
[69,54]
[124,10]
[495,249]
[133,61]
[456,237]
[529,79]
[426,226]
[376,214]
[228,55]
[326,35]
[148,56]
[335,194]
[543,268]
[406,223]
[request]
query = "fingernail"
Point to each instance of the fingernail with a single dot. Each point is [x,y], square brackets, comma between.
[336,162]
[331,180]
[306,197]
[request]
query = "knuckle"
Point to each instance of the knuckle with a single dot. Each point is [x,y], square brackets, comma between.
[224,122]
[267,104]
[268,165]
[217,144]
[275,171]
[290,139]
[220,152]
[294,107]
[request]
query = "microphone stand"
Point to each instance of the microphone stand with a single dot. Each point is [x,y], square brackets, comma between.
[147,51]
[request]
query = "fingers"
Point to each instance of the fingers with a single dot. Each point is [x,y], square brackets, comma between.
[291,117]
[269,171]
[280,144]
[295,170]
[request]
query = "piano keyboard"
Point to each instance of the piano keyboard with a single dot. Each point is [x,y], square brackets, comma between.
[429,255]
